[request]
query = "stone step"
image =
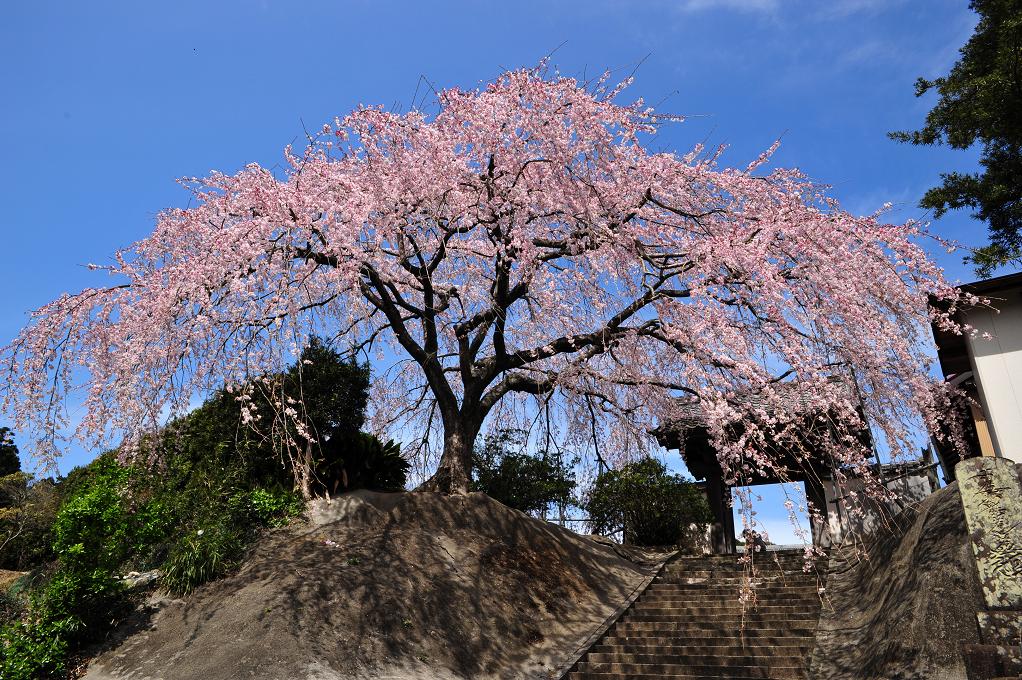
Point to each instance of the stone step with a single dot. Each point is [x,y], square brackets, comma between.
[810,599]
[724,615]
[702,629]
[737,581]
[774,583]
[727,621]
[732,621]
[727,658]
[701,656]
[713,608]
[665,669]
[732,569]
[693,648]
[724,570]
[717,674]
[737,561]
[726,626]
[657,643]
[697,597]
[734,573]
[769,565]
[717,587]
[732,594]
[771,570]
[731,600]
[691,624]
[723,608]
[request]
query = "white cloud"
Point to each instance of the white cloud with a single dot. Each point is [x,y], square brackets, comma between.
[837,9]
[870,52]
[740,5]
[948,53]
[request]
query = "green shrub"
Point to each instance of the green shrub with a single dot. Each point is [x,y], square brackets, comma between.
[271,508]
[33,650]
[105,522]
[83,600]
[27,511]
[201,556]
[334,392]
[527,482]
[649,505]
[211,550]
[11,608]
[101,528]
[97,532]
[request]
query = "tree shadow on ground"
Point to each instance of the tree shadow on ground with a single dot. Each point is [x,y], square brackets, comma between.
[409,584]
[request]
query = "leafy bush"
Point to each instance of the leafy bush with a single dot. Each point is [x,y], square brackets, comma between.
[271,508]
[362,462]
[334,392]
[95,532]
[33,650]
[11,608]
[202,556]
[649,505]
[519,480]
[107,523]
[330,396]
[27,511]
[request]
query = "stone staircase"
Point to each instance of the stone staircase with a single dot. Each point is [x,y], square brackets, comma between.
[688,624]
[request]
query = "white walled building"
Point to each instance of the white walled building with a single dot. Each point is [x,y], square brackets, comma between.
[988,364]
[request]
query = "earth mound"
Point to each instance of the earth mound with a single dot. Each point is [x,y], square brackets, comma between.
[903,606]
[375,585]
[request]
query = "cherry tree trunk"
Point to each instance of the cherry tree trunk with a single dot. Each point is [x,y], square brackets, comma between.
[454,474]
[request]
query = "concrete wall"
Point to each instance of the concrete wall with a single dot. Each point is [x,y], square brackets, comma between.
[997,364]
[860,517]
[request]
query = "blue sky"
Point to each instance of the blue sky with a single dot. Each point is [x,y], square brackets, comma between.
[103,104]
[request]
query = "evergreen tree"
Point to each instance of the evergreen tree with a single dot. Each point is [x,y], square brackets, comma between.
[529,482]
[981,102]
[9,461]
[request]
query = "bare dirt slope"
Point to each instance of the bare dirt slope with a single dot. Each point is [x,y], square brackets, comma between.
[406,585]
[902,611]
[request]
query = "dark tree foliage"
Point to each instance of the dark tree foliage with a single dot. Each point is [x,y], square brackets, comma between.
[530,482]
[981,101]
[335,392]
[361,462]
[27,511]
[648,504]
[9,461]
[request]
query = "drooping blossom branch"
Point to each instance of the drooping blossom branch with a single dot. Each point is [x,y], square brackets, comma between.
[521,249]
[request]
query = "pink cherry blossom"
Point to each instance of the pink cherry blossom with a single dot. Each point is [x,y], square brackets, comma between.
[521,252]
